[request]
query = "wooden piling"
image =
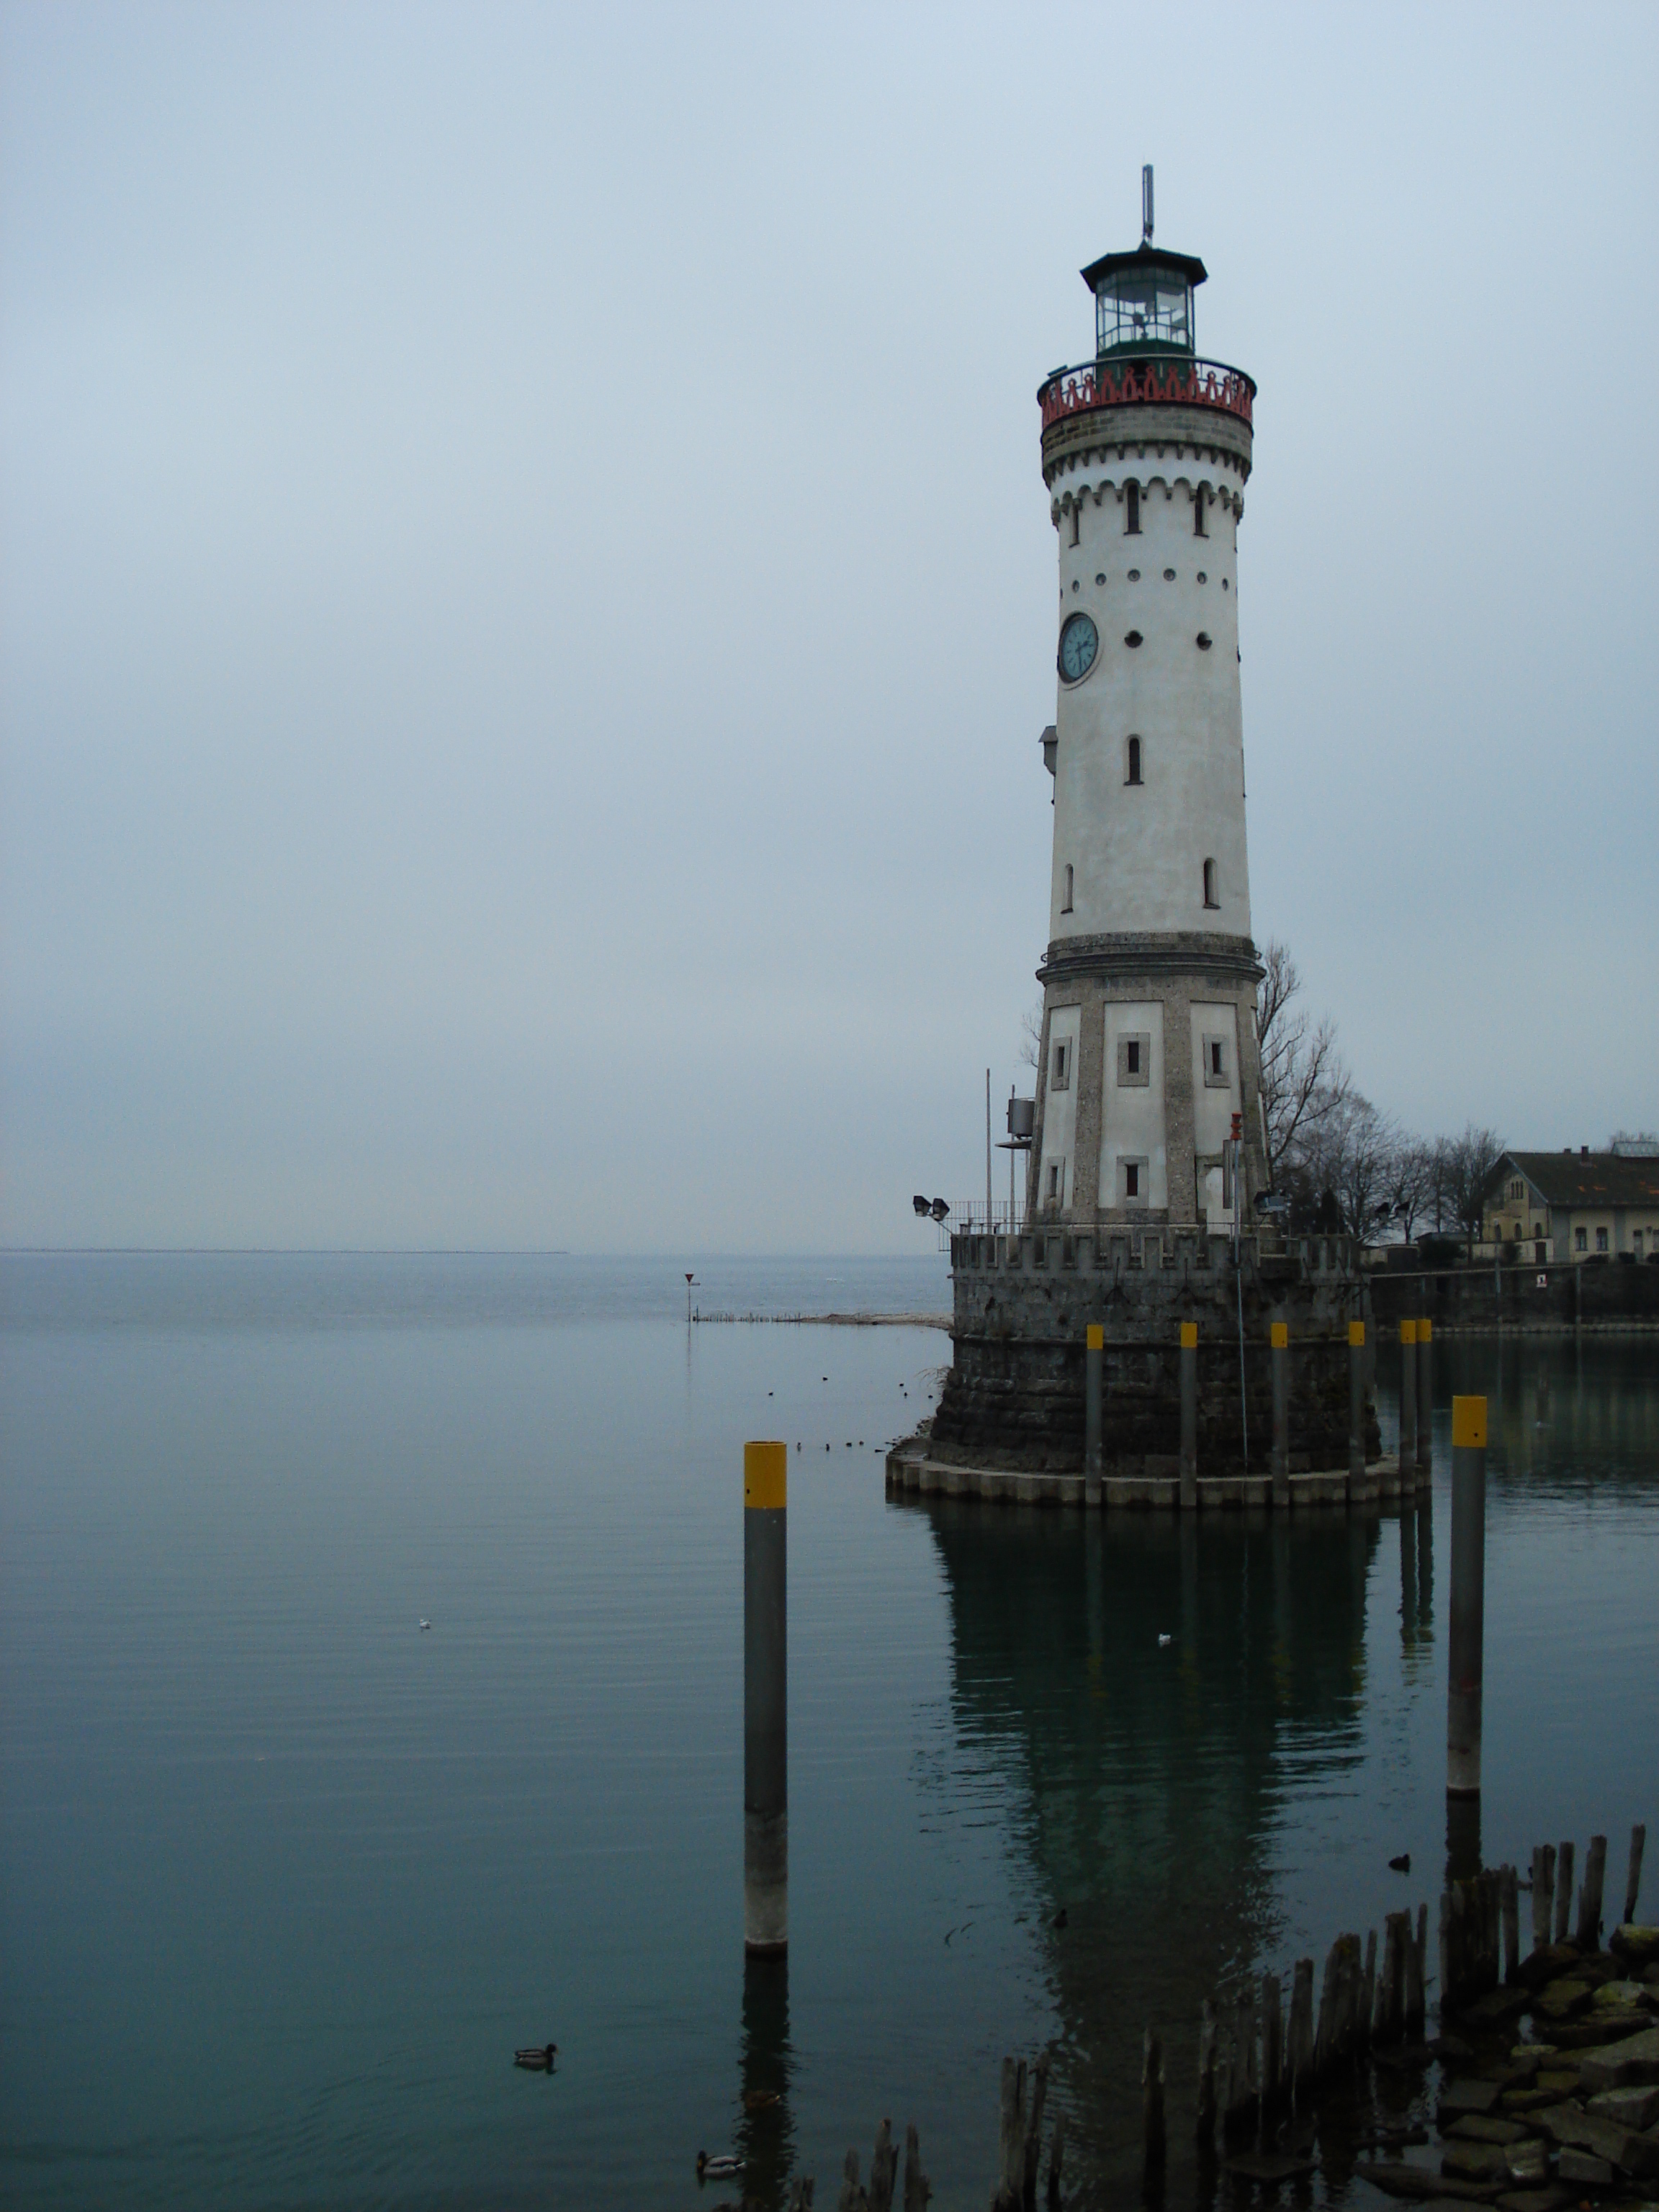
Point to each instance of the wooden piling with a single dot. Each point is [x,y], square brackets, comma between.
[917,2187]
[1417,1974]
[1388,2022]
[1300,2051]
[1034,2131]
[1543,1893]
[1273,2044]
[1407,1407]
[1278,1336]
[1188,1462]
[1010,2139]
[1563,1891]
[1056,2166]
[1589,1900]
[853,2198]
[1151,2106]
[1356,1405]
[884,2169]
[1638,1836]
[1510,1903]
[1204,2115]
[1367,1995]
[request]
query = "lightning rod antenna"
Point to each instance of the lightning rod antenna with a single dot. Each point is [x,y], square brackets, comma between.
[1146,205]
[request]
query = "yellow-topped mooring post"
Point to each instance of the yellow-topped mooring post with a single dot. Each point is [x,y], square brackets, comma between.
[1466,1667]
[1356,1401]
[1425,1397]
[1279,1339]
[765,1699]
[1407,1405]
[1094,1360]
[1189,1416]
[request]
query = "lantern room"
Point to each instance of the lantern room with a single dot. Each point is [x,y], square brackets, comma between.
[1143,301]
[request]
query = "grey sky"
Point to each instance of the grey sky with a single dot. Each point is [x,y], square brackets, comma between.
[528,592]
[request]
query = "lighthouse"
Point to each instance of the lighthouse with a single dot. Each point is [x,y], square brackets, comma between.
[1148,1108]
[1150,1329]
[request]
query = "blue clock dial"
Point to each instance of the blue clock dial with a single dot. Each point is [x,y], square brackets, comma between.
[1079,642]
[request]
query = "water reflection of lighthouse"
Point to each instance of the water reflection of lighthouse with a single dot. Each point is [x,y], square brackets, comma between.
[1152,1776]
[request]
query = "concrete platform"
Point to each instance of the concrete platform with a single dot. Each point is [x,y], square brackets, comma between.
[911,1468]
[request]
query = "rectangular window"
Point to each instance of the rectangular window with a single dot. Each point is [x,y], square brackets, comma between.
[1066,908]
[1062,1067]
[1580,1241]
[1054,1181]
[1132,1182]
[1198,531]
[1215,1063]
[1131,511]
[1601,1240]
[1135,1061]
[1517,1189]
[1132,1179]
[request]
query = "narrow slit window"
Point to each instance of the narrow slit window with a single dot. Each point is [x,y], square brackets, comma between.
[1077,525]
[1132,1180]
[1066,908]
[1134,776]
[1210,898]
[1054,1181]
[1198,531]
[1131,511]
[1062,1066]
[1218,1058]
[1133,1055]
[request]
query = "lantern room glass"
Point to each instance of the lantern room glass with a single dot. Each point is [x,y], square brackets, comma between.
[1143,311]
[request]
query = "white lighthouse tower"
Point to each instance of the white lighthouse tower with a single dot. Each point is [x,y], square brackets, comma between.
[1149,1046]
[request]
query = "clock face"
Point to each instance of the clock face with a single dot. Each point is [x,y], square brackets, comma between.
[1079,642]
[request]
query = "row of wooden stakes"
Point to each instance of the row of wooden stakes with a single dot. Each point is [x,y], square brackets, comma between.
[1481,1918]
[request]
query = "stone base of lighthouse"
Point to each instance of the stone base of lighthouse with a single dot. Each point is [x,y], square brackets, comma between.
[1013,1399]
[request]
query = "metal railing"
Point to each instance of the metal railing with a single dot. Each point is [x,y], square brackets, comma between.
[969,1217]
[1176,379]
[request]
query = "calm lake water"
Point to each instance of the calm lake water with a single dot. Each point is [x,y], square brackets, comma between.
[285,1881]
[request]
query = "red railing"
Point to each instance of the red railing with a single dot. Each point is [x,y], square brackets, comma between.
[1132,383]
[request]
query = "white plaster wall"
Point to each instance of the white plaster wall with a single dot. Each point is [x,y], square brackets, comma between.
[1137,853]
[1059,1108]
[1131,1120]
[1213,1108]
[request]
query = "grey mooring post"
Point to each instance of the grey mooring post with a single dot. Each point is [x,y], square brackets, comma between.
[1356,1401]
[1189,1416]
[1093,1359]
[765,1700]
[1425,1397]
[1278,1338]
[1407,1406]
[1469,1588]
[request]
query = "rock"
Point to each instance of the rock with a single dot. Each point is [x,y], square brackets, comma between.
[1597,2027]
[1496,2007]
[1474,2161]
[1528,2163]
[1617,2064]
[1638,1945]
[1561,2000]
[1624,1993]
[1531,2100]
[1552,2197]
[1632,2153]
[1417,2181]
[1637,2107]
[1475,2127]
[1579,2165]
[1460,2097]
[1542,1967]
[1558,2082]
[1538,2051]
[1449,2046]
[1268,2166]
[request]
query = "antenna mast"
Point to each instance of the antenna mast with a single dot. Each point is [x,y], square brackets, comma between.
[1147,204]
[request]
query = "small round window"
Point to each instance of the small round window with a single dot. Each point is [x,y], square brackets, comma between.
[1079,642]
[1203,641]
[1133,638]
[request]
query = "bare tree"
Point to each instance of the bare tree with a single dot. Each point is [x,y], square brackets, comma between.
[1345,1167]
[1409,1182]
[1469,1164]
[1304,1081]
[1030,1035]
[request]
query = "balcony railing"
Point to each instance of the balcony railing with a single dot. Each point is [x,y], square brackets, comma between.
[1115,383]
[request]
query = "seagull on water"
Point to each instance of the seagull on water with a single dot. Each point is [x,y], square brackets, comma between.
[426,1623]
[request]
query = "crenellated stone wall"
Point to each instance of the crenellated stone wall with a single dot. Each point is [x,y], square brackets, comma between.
[1022,1304]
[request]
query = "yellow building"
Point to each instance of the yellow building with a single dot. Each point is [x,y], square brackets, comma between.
[1575,1206]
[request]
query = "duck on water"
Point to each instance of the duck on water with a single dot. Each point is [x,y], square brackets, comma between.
[538,2058]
